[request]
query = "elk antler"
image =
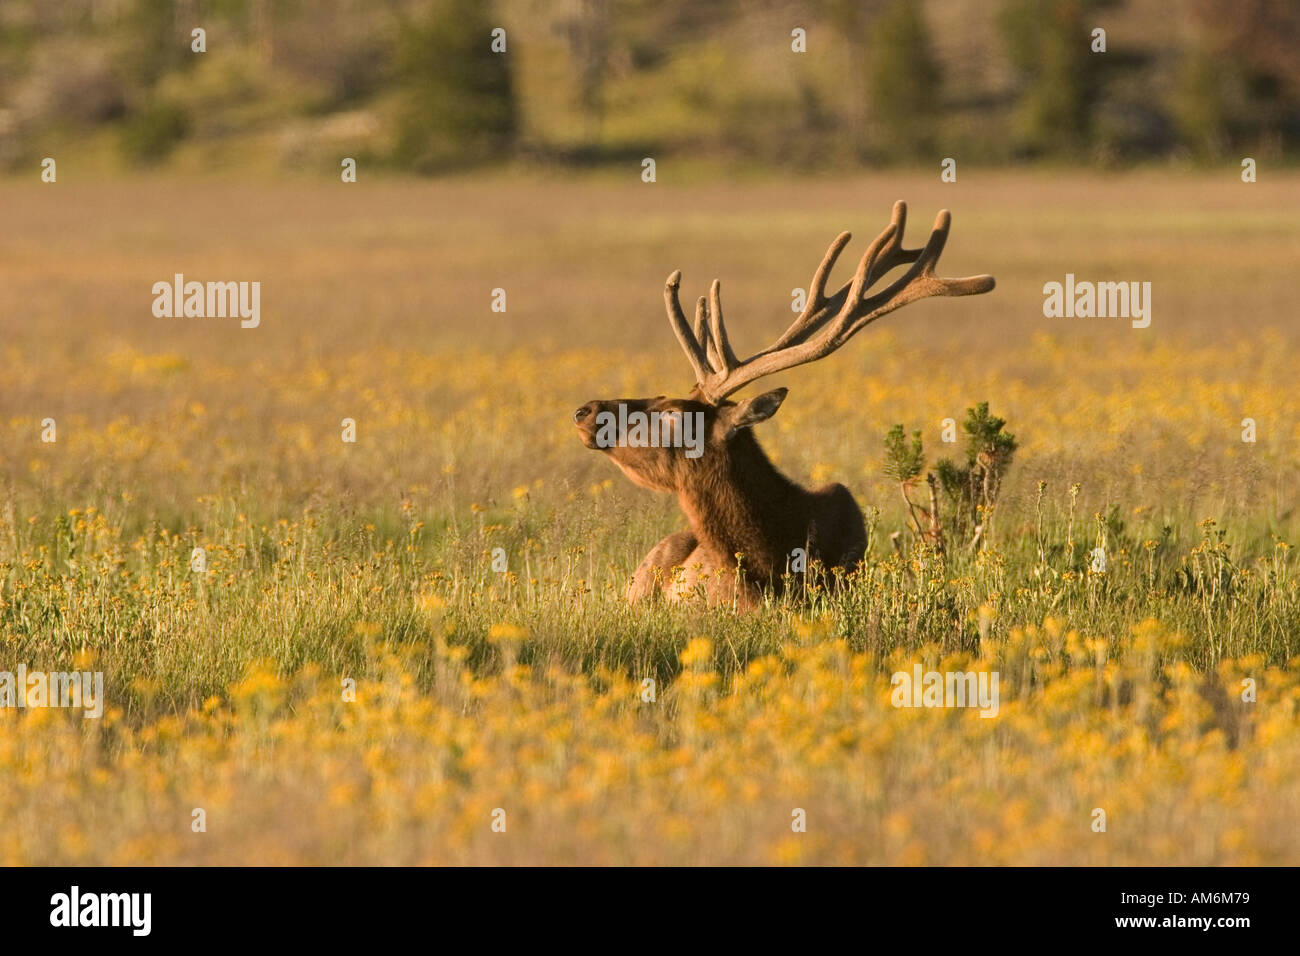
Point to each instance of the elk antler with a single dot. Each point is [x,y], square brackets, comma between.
[825,323]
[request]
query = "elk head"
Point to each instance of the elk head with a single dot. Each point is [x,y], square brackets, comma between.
[701,447]
[659,442]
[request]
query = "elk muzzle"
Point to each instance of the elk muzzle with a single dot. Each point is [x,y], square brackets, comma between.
[584,417]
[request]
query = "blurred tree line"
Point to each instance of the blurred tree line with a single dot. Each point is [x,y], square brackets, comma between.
[417,84]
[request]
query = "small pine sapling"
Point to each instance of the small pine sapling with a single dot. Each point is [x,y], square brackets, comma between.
[971,488]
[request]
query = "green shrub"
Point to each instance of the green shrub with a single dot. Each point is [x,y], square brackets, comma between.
[458,102]
[150,134]
[1048,44]
[903,80]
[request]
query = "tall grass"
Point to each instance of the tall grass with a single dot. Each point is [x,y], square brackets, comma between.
[524,688]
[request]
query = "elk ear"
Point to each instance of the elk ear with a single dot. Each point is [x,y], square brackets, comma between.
[754,410]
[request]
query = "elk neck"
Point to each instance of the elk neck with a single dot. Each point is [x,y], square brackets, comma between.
[738,503]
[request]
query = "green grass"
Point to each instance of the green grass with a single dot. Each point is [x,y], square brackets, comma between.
[181,434]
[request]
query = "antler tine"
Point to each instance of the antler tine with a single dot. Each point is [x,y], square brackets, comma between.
[816,307]
[858,312]
[866,266]
[704,337]
[894,254]
[817,289]
[700,329]
[920,281]
[819,309]
[830,336]
[825,324]
[852,291]
[726,357]
[689,341]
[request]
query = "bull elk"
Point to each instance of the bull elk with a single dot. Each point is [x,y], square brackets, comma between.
[746,518]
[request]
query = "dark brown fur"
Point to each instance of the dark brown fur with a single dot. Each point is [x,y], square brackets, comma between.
[737,503]
[747,518]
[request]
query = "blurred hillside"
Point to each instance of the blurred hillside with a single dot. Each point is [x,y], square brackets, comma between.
[416,85]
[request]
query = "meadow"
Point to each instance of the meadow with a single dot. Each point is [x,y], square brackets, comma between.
[526,690]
